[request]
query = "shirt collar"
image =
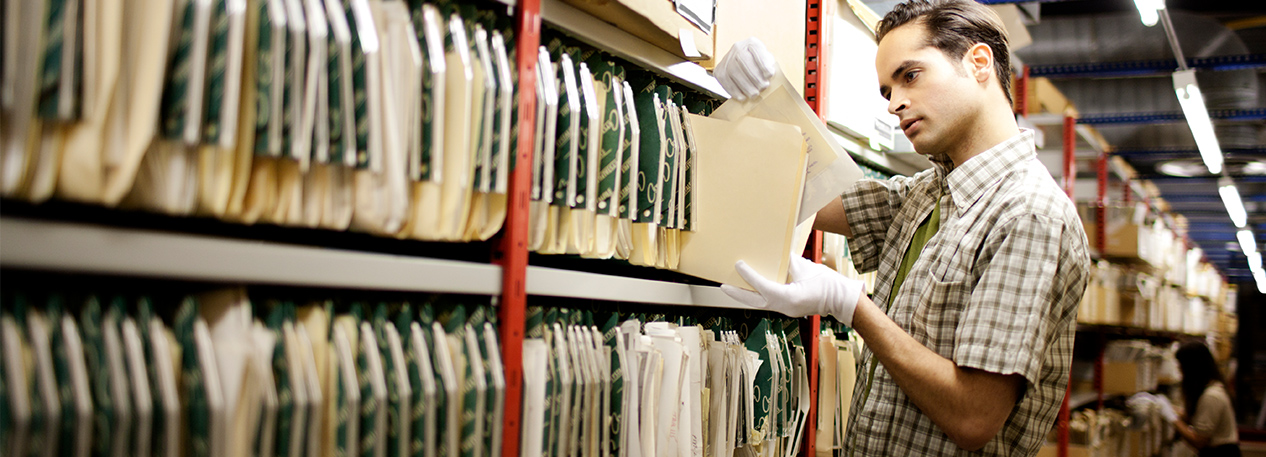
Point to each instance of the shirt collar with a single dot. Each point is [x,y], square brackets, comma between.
[966,182]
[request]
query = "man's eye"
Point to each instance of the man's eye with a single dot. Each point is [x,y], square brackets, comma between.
[911,75]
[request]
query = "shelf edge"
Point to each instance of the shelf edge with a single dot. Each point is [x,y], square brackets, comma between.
[85,248]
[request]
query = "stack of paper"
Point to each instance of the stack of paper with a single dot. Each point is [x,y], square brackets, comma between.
[659,388]
[225,376]
[382,116]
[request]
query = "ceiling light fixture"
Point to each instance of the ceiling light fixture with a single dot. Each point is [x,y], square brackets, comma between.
[1255,262]
[1260,276]
[1247,243]
[1234,204]
[1149,10]
[1198,119]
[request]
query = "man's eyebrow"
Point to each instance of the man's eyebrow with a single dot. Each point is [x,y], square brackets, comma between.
[903,67]
[883,89]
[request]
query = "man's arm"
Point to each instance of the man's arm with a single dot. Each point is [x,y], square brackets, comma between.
[832,218]
[970,405]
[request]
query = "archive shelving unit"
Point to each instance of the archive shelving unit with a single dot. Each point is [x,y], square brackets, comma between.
[40,243]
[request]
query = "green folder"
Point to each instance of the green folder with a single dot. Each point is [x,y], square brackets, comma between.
[610,327]
[495,403]
[567,145]
[672,135]
[58,15]
[90,323]
[217,59]
[399,396]
[61,367]
[629,148]
[607,86]
[198,410]
[175,100]
[758,342]
[339,95]
[422,378]
[652,145]
[360,90]
[269,77]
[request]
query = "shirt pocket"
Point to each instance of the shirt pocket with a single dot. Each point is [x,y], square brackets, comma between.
[938,314]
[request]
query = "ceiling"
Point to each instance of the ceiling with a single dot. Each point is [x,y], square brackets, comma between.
[1118,73]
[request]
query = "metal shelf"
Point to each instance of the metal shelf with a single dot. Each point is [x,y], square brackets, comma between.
[555,282]
[626,46]
[1134,332]
[84,248]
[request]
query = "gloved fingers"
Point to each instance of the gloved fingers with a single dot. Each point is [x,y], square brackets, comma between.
[800,268]
[758,282]
[744,296]
[749,75]
[724,74]
[727,81]
[768,64]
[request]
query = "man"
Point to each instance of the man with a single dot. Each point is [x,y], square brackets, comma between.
[981,260]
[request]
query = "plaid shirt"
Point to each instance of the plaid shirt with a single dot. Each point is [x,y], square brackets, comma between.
[996,288]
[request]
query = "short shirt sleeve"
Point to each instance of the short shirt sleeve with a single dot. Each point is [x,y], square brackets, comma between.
[871,205]
[1011,313]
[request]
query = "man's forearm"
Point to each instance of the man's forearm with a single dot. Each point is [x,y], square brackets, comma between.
[969,405]
[831,218]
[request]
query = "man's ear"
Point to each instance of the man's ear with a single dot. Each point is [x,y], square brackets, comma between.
[979,61]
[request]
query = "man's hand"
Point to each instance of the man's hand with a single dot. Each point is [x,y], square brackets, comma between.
[746,69]
[815,289]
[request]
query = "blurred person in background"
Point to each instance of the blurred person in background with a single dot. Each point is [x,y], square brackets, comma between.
[1208,421]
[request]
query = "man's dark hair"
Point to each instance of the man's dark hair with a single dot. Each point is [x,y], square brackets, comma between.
[953,26]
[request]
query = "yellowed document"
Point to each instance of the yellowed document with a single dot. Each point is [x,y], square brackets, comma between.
[461,91]
[829,169]
[80,178]
[846,365]
[261,190]
[244,150]
[747,198]
[827,376]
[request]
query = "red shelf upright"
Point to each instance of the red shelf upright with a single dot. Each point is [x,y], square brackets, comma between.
[512,252]
[815,95]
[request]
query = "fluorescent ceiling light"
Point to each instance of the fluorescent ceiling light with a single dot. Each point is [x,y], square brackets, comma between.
[1255,262]
[1260,276]
[1149,10]
[1198,119]
[1247,243]
[1231,198]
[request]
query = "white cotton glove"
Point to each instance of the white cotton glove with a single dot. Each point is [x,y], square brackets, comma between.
[814,289]
[1140,406]
[1166,408]
[746,69]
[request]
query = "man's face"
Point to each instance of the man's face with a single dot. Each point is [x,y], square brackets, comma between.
[935,98]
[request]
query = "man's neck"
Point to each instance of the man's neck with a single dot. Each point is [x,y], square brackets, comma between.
[996,125]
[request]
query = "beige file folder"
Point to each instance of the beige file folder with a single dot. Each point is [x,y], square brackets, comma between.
[244,149]
[461,111]
[80,178]
[748,192]
[481,133]
[846,365]
[425,219]
[261,191]
[828,374]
